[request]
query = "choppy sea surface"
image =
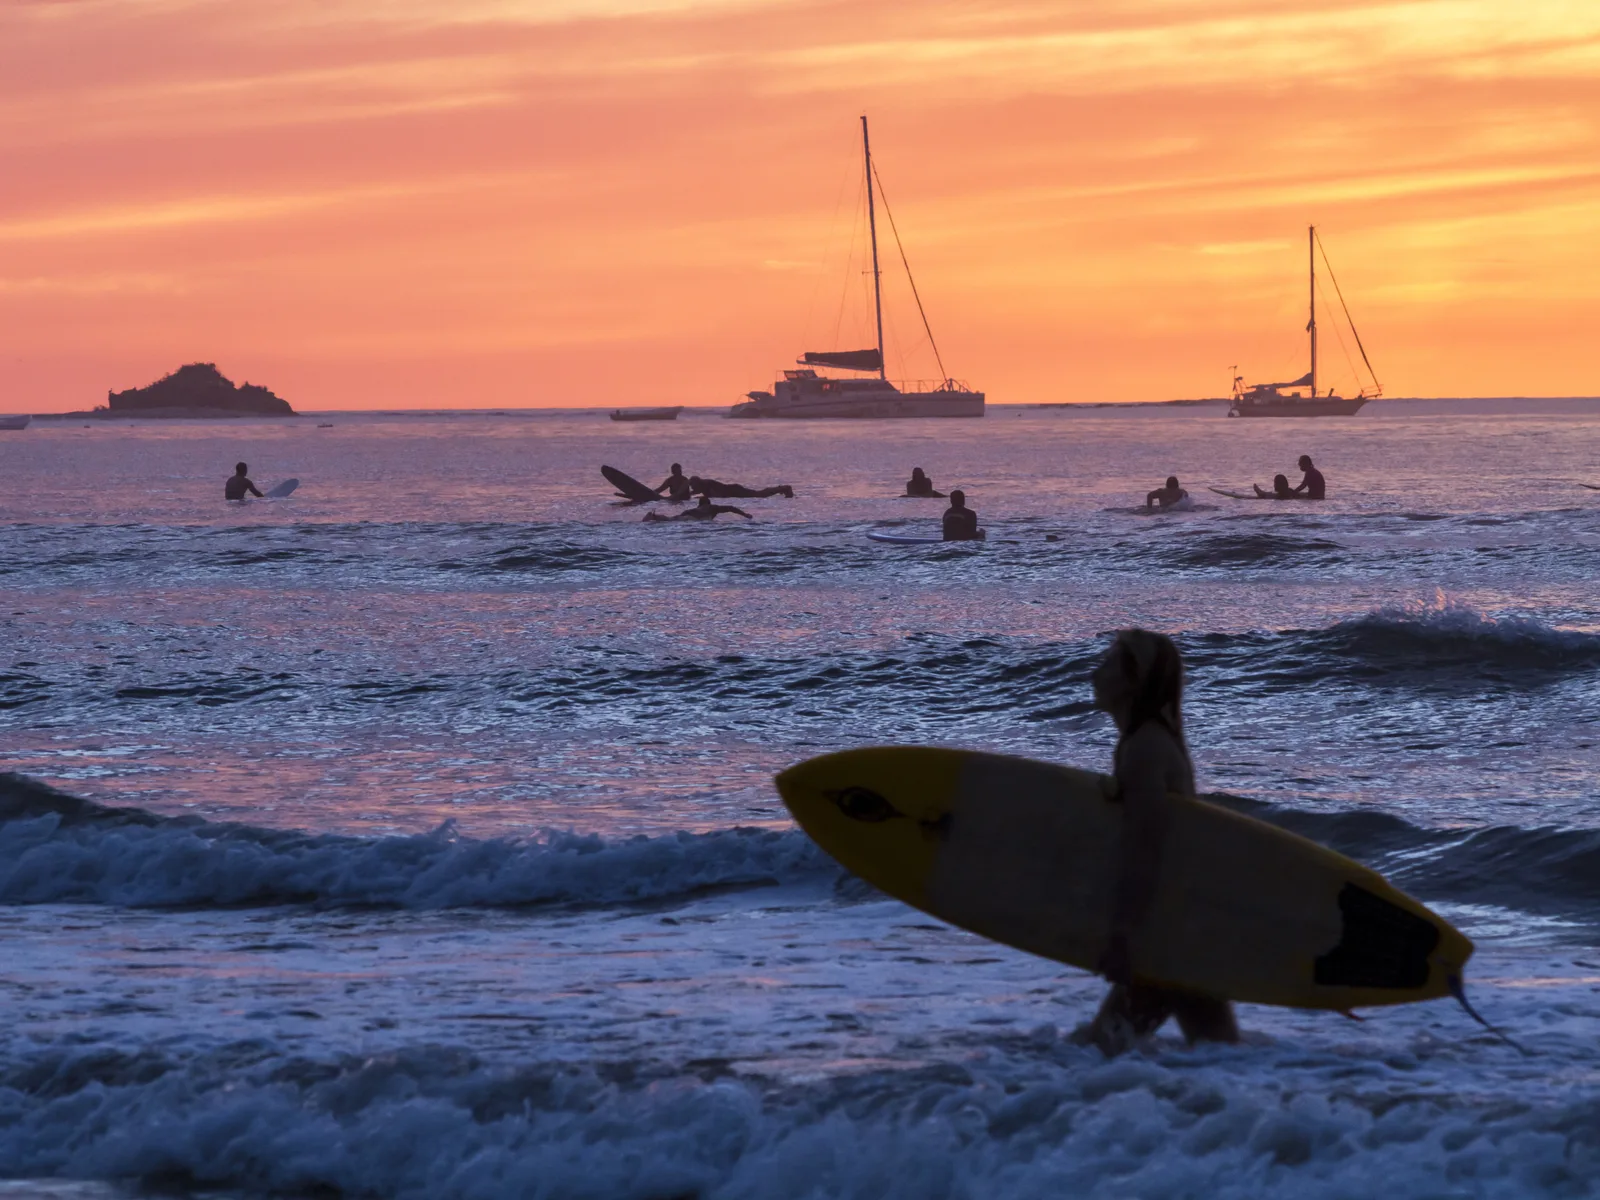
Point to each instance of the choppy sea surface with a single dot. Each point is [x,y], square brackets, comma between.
[414,836]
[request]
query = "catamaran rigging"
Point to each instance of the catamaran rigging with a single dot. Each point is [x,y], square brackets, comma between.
[805,393]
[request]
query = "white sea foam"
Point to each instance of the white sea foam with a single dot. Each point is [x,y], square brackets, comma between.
[1052,1121]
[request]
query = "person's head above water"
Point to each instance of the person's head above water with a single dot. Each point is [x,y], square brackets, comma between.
[705,501]
[1305,462]
[1141,679]
[916,472]
[241,468]
[677,468]
[1172,482]
[1280,483]
[958,499]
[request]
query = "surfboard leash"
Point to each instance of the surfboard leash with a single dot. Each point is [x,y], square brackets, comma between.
[1460,993]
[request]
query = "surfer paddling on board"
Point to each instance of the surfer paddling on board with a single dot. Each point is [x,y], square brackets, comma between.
[920,485]
[715,488]
[239,485]
[1140,683]
[960,522]
[676,485]
[704,511]
[1280,489]
[1313,486]
[1167,496]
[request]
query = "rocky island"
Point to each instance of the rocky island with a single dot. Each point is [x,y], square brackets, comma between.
[196,390]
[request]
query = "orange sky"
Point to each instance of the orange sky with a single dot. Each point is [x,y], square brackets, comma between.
[469,203]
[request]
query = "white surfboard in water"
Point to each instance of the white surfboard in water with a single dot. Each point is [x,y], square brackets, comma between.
[285,488]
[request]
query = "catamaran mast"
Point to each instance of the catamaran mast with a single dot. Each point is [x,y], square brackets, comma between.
[872,225]
[1311,257]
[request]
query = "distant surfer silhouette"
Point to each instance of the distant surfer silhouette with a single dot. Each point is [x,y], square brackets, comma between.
[1140,684]
[239,485]
[704,511]
[920,485]
[960,522]
[1280,489]
[716,489]
[677,485]
[1313,486]
[1168,496]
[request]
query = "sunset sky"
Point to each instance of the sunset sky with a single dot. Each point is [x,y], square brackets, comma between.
[474,203]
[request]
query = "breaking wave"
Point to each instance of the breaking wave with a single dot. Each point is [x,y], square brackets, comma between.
[56,848]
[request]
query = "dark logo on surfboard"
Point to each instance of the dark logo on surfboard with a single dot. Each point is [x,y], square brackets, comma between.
[864,804]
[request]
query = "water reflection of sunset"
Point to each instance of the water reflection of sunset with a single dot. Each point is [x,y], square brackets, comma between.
[650,201]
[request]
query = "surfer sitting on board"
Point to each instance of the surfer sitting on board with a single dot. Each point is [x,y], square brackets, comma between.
[736,491]
[920,485]
[1166,496]
[704,511]
[1280,489]
[1140,683]
[1313,486]
[676,485]
[239,485]
[960,522]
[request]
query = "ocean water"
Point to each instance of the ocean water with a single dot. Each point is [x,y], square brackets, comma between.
[414,836]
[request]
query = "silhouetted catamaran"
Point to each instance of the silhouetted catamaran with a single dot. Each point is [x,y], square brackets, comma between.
[804,393]
[1270,400]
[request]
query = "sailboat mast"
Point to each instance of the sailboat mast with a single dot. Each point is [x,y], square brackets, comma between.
[872,226]
[1311,258]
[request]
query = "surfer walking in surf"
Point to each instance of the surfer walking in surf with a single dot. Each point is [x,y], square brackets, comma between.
[1140,684]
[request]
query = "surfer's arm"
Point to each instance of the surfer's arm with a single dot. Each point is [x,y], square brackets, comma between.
[254,491]
[1142,785]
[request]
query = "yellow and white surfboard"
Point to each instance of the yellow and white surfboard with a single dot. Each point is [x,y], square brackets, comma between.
[1026,853]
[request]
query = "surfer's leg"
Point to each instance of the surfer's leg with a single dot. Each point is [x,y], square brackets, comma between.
[1127,1014]
[1204,1018]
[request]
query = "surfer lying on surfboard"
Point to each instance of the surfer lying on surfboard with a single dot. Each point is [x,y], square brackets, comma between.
[704,511]
[735,491]
[1140,684]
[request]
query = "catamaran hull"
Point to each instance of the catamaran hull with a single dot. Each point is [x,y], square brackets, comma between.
[1299,408]
[868,408]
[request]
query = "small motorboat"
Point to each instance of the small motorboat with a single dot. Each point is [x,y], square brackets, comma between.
[667,413]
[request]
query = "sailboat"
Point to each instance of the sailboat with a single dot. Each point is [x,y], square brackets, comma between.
[1270,400]
[803,392]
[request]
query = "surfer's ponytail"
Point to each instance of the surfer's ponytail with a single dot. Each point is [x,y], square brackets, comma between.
[1153,664]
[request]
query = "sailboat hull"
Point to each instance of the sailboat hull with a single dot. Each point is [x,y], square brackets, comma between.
[877,404]
[1286,407]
